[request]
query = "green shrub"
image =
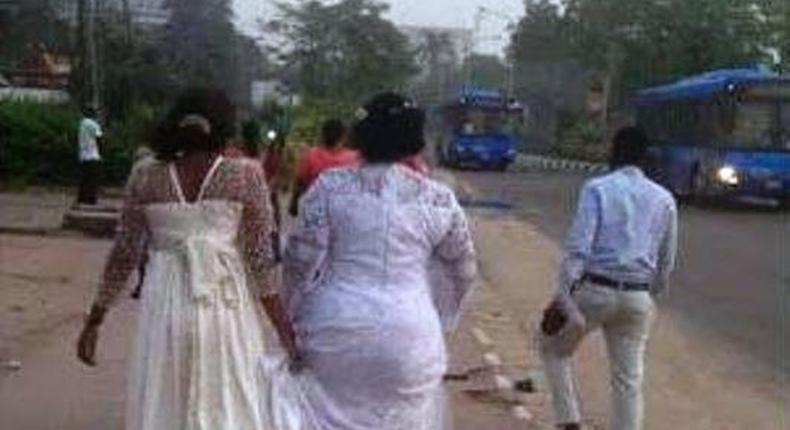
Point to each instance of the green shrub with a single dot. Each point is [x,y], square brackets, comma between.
[580,138]
[123,138]
[38,144]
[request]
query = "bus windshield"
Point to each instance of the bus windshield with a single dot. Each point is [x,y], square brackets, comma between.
[484,121]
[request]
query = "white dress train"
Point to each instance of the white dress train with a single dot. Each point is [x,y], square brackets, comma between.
[199,335]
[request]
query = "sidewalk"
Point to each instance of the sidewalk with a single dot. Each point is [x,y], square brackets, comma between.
[40,212]
[46,285]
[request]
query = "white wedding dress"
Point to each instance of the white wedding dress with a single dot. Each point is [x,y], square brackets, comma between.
[368,311]
[199,335]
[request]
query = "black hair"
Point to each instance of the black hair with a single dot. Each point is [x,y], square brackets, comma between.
[174,136]
[251,137]
[332,132]
[389,129]
[629,148]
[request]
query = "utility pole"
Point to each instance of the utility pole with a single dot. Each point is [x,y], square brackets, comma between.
[471,45]
[93,63]
[127,22]
[86,29]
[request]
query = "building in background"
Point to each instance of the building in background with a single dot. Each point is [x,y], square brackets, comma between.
[144,13]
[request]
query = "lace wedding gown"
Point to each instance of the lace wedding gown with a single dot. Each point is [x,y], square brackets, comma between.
[199,335]
[367,309]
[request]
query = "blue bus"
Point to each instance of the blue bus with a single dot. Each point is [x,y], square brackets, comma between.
[723,134]
[477,130]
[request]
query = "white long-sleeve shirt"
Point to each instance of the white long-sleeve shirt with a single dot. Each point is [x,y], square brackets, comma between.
[625,229]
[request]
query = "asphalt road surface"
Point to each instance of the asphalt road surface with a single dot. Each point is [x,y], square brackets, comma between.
[732,288]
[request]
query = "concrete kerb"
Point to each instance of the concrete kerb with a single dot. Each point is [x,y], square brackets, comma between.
[527,161]
[503,385]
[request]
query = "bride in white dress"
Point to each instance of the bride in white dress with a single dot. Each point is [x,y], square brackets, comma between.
[206,223]
[358,285]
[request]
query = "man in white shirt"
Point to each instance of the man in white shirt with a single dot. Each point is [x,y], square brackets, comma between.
[618,255]
[90,136]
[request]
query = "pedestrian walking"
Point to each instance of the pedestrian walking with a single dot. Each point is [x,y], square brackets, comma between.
[355,280]
[90,135]
[331,153]
[205,221]
[618,256]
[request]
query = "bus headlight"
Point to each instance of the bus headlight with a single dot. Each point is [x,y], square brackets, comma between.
[728,175]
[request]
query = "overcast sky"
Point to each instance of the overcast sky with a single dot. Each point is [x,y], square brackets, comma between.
[443,13]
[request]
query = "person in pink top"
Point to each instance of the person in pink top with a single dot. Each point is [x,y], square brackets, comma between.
[330,154]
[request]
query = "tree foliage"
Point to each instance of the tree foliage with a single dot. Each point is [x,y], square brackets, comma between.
[198,41]
[439,64]
[640,42]
[346,50]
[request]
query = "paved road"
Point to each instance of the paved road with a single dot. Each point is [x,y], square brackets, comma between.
[732,290]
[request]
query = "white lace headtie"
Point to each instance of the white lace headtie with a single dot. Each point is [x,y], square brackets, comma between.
[194,119]
[361,114]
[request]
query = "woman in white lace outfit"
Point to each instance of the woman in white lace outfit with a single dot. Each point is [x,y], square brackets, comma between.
[356,275]
[206,223]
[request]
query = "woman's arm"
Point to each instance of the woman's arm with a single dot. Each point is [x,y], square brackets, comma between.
[456,254]
[307,246]
[257,233]
[125,257]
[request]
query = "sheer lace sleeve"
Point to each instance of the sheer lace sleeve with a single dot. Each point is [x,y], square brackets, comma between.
[307,246]
[130,241]
[257,230]
[454,266]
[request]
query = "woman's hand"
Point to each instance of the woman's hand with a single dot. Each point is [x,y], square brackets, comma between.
[296,361]
[285,330]
[86,344]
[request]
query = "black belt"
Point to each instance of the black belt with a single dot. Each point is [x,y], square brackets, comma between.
[617,285]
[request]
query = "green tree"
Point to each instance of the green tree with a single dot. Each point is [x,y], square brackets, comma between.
[345,50]
[633,43]
[439,66]
[199,42]
[541,34]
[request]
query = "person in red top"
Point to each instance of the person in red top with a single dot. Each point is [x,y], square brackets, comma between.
[417,164]
[330,154]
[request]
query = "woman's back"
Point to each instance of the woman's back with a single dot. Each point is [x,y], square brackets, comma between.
[385,222]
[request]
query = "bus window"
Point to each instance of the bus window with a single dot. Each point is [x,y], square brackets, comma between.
[784,124]
[754,125]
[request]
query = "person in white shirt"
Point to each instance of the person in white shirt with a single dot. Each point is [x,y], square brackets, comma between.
[618,256]
[90,136]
